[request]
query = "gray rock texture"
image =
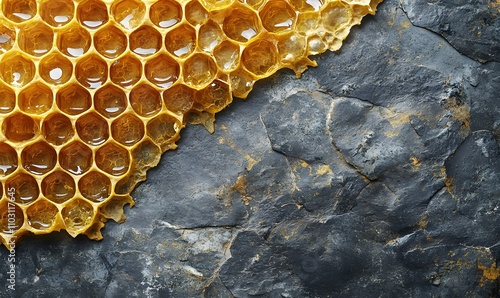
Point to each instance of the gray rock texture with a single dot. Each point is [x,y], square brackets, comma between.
[375,175]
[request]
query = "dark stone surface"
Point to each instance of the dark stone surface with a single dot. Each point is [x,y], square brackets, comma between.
[375,175]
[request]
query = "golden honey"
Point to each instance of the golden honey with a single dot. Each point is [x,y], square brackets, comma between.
[92,92]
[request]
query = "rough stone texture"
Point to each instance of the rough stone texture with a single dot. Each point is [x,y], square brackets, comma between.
[375,175]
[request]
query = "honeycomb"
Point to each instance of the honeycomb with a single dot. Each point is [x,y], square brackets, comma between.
[93,92]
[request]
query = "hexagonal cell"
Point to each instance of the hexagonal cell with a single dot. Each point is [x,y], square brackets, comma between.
[277,16]
[8,160]
[307,21]
[95,186]
[241,83]
[335,15]
[181,41]
[214,97]
[19,10]
[129,13]
[145,100]
[209,36]
[36,39]
[146,154]
[16,220]
[307,5]
[23,188]
[58,187]
[212,5]
[113,159]
[260,57]
[227,55]
[16,70]
[77,215]
[55,69]
[7,99]
[41,215]
[126,71]
[179,98]
[110,41]
[241,24]
[74,41]
[92,71]
[39,158]
[145,41]
[162,71]
[7,37]
[57,13]
[92,129]
[73,99]
[35,99]
[199,70]
[92,13]
[19,127]
[57,129]
[196,14]
[162,128]
[165,13]
[127,130]
[110,101]
[291,47]
[76,158]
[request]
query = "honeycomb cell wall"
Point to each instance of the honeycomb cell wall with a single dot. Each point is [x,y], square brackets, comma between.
[93,92]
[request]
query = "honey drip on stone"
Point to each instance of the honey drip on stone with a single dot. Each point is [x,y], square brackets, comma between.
[92,92]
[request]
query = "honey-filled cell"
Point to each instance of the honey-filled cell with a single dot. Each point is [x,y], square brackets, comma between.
[241,83]
[179,98]
[95,186]
[55,69]
[57,129]
[215,97]
[146,154]
[181,41]
[277,16]
[92,71]
[74,41]
[92,129]
[39,158]
[19,10]
[57,13]
[35,99]
[58,187]
[126,71]
[76,158]
[128,13]
[7,37]
[165,13]
[110,41]
[113,159]
[19,127]
[7,99]
[162,71]
[17,70]
[199,70]
[127,129]
[92,13]
[145,100]
[36,39]
[260,57]
[8,160]
[73,99]
[227,55]
[162,129]
[145,41]
[241,24]
[22,188]
[77,216]
[195,13]
[110,101]
[41,215]
[209,36]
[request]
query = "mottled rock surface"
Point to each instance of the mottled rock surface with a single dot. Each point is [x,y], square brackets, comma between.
[375,175]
